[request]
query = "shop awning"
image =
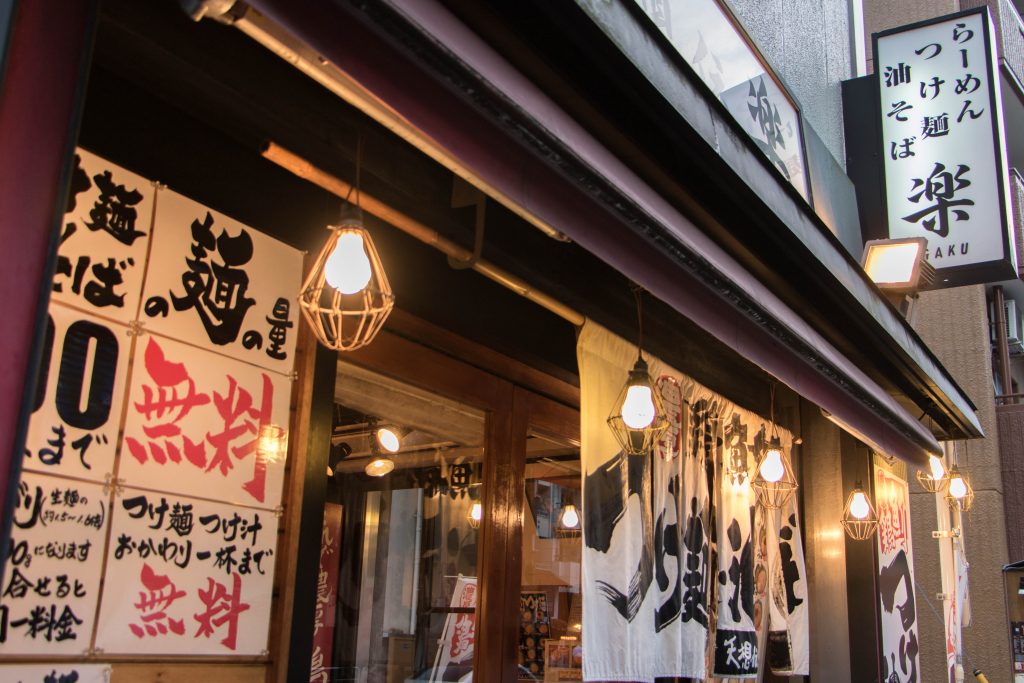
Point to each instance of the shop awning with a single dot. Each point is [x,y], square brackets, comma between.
[424,74]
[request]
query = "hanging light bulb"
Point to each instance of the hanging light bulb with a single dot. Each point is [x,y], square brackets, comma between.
[859,519]
[957,487]
[348,267]
[639,417]
[772,470]
[379,467]
[476,513]
[959,493]
[638,409]
[934,479]
[570,518]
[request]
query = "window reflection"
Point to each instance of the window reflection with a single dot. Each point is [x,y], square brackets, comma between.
[710,42]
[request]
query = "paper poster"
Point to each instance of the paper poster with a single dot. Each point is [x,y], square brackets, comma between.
[77,411]
[454,658]
[900,663]
[103,245]
[187,576]
[193,420]
[52,575]
[221,285]
[326,595]
[55,673]
[648,564]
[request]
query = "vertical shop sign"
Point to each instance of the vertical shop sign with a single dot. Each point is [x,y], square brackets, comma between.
[187,575]
[946,176]
[103,244]
[221,285]
[55,673]
[900,645]
[454,658]
[788,615]
[193,423]
[326,595]
[52,575]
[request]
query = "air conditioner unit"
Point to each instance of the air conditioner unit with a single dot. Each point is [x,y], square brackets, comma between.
[1014,332]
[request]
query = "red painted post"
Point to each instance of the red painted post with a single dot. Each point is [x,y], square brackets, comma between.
[41,95]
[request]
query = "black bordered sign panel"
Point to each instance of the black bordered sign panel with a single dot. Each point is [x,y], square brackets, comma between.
[943,152]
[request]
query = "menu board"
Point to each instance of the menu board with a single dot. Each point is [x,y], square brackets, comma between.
[169,346]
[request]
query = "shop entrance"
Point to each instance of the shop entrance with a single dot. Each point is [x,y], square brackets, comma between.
[457,556]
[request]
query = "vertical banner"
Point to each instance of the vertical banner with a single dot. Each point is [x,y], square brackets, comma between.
[326,595]
[900,662]
[648,560]
[788,616]
[52,575]
[454,658]
[187,576]
[946,176]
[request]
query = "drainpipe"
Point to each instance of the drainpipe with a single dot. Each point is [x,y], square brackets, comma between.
[1002,346]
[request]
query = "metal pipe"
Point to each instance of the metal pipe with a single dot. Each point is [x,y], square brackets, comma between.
[1002,345]
[302,168]
[417,552]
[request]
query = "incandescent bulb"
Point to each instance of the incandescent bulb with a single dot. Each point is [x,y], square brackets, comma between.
[772,468]
[348,267]
[957,487]
[379,467]
[476,513]
[859,506]
[937,468]
[570,518]
[638,407]
[388,440]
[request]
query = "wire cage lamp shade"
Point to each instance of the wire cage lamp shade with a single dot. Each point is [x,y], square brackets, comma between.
[859,517]
[343,319]
[935,478]
[959,492]
[638,418]
[774,480]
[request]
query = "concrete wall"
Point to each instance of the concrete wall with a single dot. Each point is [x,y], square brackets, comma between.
[954,323]
[807,42]
[882,14]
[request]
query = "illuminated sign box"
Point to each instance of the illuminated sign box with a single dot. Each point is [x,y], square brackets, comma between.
[944,156]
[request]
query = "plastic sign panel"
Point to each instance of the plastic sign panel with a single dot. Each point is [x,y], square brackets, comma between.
[52,575]
[77,411]
[55,673]
[104,241]
[187,576]
[193,423]
[221,285]
[943,151]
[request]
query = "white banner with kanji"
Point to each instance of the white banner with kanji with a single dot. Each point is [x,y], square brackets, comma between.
[55,673]
[186,576]
[52,575]
[193,423]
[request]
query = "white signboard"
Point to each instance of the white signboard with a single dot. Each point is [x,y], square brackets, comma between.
[55,673]
[186,576]
[52,575]
[193,422]
[221,285]
[900,642]
[943,149]
[77,412]
[102,252]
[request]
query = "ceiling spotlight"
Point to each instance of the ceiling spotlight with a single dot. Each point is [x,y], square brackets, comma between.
[390,437]
[378,467]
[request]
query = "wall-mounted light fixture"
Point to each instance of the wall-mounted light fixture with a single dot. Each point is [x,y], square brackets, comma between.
[638,417]
[859,518]
[899,267]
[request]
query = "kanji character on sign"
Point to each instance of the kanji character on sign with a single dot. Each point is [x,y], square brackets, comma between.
[153,604]
[940,187]
[222,608]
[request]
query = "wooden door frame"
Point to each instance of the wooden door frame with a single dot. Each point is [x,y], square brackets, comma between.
[512,412]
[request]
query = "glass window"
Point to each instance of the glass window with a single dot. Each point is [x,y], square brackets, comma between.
[407,579]
[709,40]
[551,605]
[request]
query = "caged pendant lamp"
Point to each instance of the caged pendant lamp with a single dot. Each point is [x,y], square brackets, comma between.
[859,518]
[959,492]
[935,478]
[347,297]
[774,481]
[638,416]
